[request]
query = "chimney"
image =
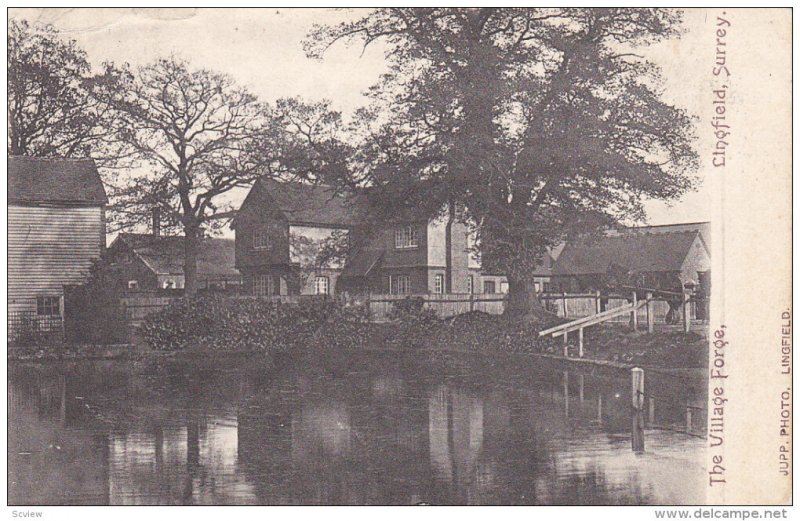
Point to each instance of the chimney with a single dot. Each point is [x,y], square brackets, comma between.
[156,221]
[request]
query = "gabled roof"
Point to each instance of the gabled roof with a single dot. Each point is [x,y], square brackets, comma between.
[54,180]
[164,254]
[361,263]
[634,251]
[302,203]
[704,227]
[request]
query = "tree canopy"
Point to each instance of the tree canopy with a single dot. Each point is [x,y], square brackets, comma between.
[536,123]
[53,109]
[199,135]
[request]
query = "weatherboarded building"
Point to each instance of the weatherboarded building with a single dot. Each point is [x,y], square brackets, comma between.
[56,229]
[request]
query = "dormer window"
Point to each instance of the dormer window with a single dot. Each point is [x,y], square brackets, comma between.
[260,241]
[405,237]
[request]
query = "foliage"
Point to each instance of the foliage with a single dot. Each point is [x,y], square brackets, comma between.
[537,123]
[53,103]
[217,322]
[93,314]
[199,136]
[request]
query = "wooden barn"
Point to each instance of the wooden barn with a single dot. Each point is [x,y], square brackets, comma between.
[662,257]
[56,229]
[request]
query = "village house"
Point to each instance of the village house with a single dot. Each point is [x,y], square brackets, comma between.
[56,230]
[669,257]
[281,226]
[141,262]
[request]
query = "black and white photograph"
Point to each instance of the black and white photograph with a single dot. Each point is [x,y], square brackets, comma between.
[398,256]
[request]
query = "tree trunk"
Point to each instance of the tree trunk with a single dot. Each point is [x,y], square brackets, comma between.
[522,299]
[190,243]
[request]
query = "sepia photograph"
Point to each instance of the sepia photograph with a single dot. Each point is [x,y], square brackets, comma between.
[399,256]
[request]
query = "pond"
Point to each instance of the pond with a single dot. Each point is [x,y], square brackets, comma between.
[377,429]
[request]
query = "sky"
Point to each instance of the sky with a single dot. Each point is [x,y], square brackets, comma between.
[262,49]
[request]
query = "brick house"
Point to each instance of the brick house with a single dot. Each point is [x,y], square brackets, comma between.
[138,261]
[280,225]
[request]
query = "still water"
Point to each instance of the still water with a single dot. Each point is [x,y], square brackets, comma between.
[377,430]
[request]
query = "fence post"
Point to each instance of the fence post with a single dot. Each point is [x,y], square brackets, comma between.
[651,313]
[566,344]
[564,302]
[634,314]
[580,343]
[597,302]
[687,315]
[637,418]
[472,302]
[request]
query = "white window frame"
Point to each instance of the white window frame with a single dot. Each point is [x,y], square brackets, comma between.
[322,285]
[133,284]
[260,239]
[263,285]
[46,303]
[405,237]
[438,284]
[504,287]
[494,287]
[399,285]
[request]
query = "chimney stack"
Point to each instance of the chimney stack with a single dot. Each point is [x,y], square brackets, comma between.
[156,221]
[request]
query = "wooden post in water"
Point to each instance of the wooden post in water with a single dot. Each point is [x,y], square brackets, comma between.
[634,317]
[599,409]
[580,388]
[566,394]
[651,313]
[688,419]
[637,418]
[651,411]
[687,312]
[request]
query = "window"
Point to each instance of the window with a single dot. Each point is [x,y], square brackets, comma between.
[50,306]
[133,284]
[260,240]
[321,286]
[503,287]
[399,284]
[405,237]
[438,284]
[488,286]
[169,284]
[546,287]
[263,285]
[470,282]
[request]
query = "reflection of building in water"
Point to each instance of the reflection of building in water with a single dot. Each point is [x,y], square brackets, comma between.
[190,464]
[455,429]
[50,461]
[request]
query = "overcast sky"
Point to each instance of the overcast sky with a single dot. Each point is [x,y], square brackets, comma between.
[262,49]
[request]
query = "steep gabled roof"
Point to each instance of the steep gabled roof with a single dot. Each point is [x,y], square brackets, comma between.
[302,203]
[361,263]
[164,254]
[637,252]
[54,180]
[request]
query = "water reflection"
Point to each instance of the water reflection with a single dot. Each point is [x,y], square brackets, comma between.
[379,431]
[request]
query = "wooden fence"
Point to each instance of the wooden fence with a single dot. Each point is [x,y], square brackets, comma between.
[138,305]
[572,305]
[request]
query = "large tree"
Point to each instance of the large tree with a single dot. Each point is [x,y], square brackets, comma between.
[535,123]
[52,106]
[200,136]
